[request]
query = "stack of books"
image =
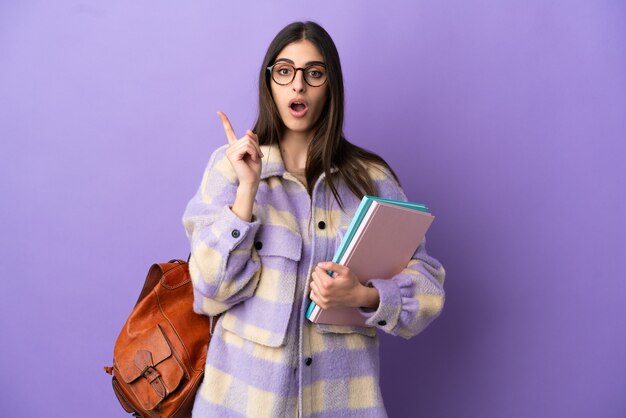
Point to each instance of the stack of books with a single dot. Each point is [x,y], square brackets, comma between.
[379,243]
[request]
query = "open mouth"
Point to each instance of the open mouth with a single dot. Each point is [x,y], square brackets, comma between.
[298,109]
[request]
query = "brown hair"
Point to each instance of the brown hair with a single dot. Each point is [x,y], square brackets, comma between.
[329,147]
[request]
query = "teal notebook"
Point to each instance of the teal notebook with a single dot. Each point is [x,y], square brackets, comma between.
[359,214]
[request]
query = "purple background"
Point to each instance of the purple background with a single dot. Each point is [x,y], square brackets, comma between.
[507,118]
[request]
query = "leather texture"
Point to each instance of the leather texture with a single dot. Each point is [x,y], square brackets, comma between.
[159,356]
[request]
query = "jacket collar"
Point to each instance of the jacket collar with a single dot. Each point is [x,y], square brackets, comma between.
[273,164]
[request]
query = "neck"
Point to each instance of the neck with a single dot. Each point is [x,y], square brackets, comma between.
[293,149]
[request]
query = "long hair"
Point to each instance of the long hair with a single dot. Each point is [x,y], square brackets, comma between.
[329,147]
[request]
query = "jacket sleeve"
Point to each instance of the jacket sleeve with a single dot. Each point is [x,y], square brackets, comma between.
[224,267]
[413,298]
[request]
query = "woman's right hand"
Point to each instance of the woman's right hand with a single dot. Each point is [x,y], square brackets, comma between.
[244,154]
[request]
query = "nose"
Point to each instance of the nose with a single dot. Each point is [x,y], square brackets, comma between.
[298,83]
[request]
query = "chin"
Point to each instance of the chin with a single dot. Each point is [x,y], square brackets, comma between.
[299,127]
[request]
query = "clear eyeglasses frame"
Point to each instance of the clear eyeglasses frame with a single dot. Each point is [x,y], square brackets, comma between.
[284,73]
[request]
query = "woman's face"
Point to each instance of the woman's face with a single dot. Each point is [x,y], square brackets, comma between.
[299,104]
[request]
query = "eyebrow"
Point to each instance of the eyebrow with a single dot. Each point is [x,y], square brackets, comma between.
[306,65]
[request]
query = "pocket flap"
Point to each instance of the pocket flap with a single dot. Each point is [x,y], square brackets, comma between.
[278,241]
[154,342]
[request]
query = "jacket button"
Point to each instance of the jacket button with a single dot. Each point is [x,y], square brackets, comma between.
[382,323]
[258,245]
[321,224]
[308,361]
[235,233]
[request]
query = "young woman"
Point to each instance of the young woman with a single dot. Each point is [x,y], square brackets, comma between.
[270,212]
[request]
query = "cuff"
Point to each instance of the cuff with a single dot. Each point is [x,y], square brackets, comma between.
[233,232]
[388,312]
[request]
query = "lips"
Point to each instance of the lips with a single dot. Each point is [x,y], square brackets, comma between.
[298,107]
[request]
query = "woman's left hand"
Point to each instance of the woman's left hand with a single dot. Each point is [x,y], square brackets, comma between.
[344,289]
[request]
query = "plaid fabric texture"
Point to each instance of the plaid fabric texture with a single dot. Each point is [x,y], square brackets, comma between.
[266,359]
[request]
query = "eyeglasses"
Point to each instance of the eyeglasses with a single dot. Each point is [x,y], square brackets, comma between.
[284,73]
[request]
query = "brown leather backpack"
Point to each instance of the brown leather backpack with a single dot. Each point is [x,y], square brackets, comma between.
[158,359]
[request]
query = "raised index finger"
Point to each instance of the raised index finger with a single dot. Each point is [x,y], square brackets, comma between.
[230,133]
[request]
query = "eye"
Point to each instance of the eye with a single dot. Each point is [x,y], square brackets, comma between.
[315,72]
[284,70]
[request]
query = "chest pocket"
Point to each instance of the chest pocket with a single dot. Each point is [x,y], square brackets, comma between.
[264,317]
